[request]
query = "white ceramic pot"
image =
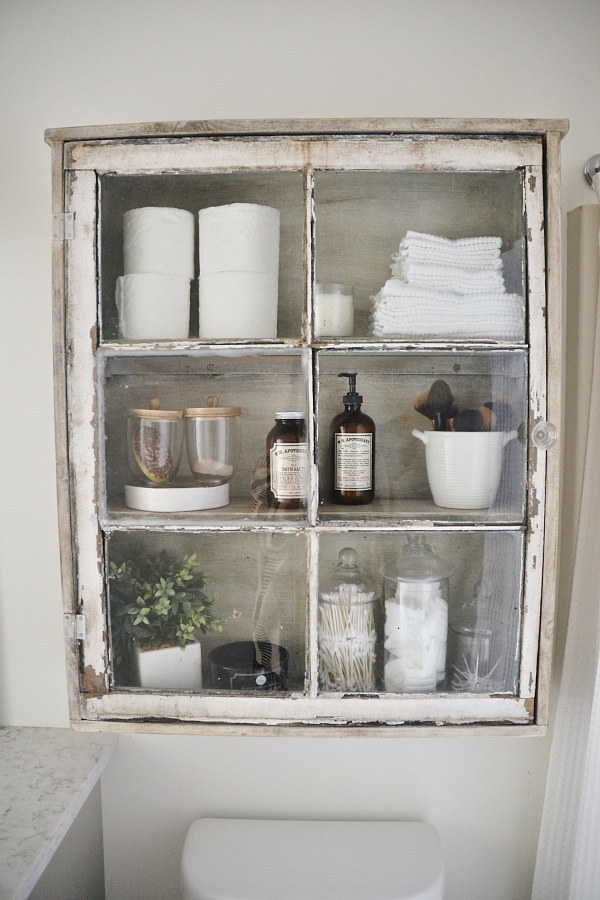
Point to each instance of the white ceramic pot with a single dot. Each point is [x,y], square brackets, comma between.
[464,467]
[171,668]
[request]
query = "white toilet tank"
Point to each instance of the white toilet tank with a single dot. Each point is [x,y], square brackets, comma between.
[267,859]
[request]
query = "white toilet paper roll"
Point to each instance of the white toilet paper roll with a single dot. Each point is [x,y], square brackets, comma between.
[153,307]
[158,239]
[239,237]
[238,305]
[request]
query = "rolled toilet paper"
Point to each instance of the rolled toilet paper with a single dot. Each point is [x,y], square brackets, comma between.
[158,239]
[238,237]
[238,305]
[153,307]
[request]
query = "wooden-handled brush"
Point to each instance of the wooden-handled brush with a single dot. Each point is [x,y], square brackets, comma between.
[482,419]
[440,402]
[436,404]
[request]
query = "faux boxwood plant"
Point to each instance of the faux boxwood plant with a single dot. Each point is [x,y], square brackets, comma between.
[158,600]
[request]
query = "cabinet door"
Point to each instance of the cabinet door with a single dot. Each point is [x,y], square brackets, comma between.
[345,204]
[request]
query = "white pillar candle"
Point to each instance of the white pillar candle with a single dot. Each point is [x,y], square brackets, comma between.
[333,310]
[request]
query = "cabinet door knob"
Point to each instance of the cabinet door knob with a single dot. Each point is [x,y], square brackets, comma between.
[544,435]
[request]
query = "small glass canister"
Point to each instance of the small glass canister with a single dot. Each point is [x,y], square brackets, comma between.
[212,437]
[334,310]
[472,663]
[416,619]
[154,442]
[348,628]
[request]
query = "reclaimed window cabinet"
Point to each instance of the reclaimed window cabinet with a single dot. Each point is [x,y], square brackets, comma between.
[347,192]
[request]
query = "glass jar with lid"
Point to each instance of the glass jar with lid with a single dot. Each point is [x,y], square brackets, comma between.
[416,619]
[154,443]
[473,656]
[348,628]
[212,437]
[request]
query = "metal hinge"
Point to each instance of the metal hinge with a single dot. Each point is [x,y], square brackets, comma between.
[63,226]
[75,626]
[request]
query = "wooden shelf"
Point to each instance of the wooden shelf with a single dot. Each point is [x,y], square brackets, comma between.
[408,513]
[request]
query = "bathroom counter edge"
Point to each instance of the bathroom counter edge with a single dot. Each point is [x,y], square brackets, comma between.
[47,774]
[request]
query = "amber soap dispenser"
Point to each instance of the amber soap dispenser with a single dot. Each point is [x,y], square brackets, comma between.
[353,435]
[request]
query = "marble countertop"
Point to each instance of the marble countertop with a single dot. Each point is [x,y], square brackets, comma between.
[46,775]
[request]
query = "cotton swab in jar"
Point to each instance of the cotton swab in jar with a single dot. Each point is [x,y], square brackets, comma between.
[347,639]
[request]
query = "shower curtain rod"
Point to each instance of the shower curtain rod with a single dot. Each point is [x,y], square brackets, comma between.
[591,167]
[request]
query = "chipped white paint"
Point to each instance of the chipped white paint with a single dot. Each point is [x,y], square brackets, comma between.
[415,153]
[555,318]
[82,414]
[313,596]
[332,710]
[536,272]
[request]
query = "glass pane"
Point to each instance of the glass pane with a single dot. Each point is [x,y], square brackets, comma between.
[252,267]
[430,288]
[217,412]
[420,612]
[235,601]
[467,461]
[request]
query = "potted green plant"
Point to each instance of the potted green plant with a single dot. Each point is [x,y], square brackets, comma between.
[159,609]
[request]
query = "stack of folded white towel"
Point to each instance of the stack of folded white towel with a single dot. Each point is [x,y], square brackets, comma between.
[447,288]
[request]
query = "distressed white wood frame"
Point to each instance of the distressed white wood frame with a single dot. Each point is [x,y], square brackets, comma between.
[505,146]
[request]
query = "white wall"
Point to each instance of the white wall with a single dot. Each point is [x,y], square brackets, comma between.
[75,62]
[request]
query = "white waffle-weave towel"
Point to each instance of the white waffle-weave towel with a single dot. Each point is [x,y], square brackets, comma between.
[451,278]
[402,310]
[466,253]
[483,242]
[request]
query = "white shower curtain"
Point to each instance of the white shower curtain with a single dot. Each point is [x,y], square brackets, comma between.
[568,859]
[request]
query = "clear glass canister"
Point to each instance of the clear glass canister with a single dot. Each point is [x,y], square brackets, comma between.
[473,657]
[154,442]
[347,631]
[416,619]
[334,310]
[212,437]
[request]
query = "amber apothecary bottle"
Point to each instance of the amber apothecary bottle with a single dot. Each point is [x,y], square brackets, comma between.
[353,436]
[287,461]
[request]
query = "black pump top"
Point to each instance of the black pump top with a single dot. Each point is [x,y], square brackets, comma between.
[352,398]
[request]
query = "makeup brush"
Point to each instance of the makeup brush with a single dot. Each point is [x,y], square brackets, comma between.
[504,413]
[468,420]
[489,418]
[439,401]
[421,405]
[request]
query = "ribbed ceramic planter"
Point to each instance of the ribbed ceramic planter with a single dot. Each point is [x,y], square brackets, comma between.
[464,467]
